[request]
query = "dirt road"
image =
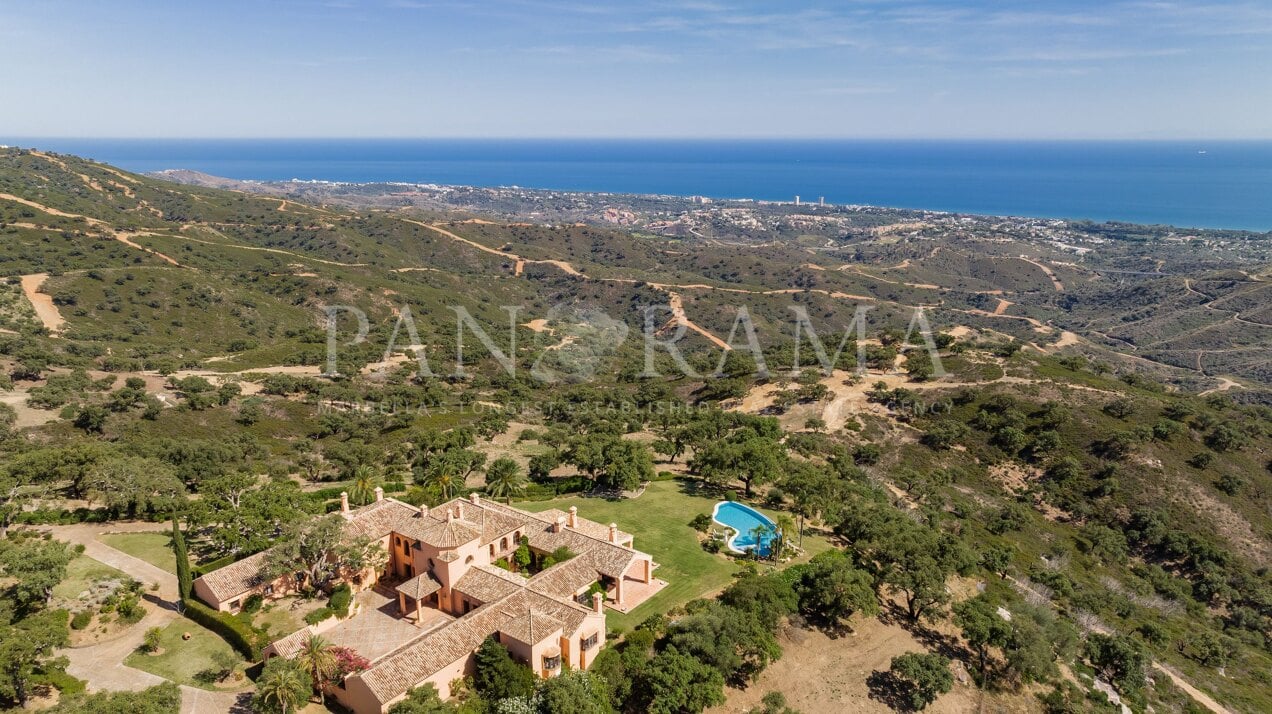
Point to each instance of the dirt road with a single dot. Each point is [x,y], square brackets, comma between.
[42,302]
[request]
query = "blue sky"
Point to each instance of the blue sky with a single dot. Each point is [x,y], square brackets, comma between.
[713,68]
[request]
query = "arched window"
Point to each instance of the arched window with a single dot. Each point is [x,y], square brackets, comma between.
[468,560]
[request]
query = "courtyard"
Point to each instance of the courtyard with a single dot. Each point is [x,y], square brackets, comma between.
[379,628]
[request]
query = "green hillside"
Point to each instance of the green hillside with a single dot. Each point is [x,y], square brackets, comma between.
[1074,458]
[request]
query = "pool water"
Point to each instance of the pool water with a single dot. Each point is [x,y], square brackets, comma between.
[744,520]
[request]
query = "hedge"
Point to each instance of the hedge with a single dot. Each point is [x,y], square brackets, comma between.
[59,516]
[239,635]
[62,516]
[205,568]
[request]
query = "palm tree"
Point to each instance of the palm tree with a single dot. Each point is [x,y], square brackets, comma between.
[786,530]
[365,479]
[504,479]
[759,534]
[283,684]
[444,480]
[318,659]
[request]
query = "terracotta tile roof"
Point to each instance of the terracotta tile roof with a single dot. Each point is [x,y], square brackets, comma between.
[608,558]
[528,610]
[439,532]
[236,578]
[495,520]
[420,586]
[375,521]
[396,672]
[291,645]
[529,625]
[488,584]
[405,667]
[589,528]
[564,580]
[570,613]
[378,519]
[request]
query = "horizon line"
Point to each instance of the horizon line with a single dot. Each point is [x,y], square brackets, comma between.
[1144,140]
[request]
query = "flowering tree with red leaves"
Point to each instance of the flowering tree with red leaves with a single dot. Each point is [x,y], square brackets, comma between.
[348,662]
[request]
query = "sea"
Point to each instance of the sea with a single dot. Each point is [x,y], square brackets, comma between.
[1201,184]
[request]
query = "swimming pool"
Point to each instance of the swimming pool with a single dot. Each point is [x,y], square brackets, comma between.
[744,520]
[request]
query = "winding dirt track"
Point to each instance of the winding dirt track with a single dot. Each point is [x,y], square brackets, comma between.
[519,261]
[42,302]
[105,227]
[679,316]
[1055,282]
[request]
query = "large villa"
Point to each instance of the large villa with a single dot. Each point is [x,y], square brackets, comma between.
[441,595]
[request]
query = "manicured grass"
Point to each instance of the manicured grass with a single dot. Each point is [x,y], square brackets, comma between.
[153,548]
[82,572]
[180,660]
[659,520]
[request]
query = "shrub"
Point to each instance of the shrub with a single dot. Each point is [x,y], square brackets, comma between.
[1231,484]
[130,609]
[1201,460]
[318,615]
[866,454]
[150,641]
[945,434]
[341,599]
[68,685]
[253,603]
[700,522]
[81,619]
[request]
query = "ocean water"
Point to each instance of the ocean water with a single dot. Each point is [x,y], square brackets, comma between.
[1212,184]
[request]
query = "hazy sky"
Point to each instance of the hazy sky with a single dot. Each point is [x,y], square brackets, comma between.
[420,68]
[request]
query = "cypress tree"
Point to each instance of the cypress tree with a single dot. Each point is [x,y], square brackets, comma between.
[184,582]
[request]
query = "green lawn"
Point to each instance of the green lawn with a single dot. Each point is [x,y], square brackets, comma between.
[180,660]
[153,548]
[285,616]
[82,572]
[659,520]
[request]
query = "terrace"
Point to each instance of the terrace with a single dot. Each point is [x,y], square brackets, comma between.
[377,629]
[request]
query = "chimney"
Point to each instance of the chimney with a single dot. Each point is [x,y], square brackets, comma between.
[574,516]
[598,603]
[379,494]
[613,532]
[473,498]
[423,510]
[459,511]
[560,524]
[450,515]
[344,503]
